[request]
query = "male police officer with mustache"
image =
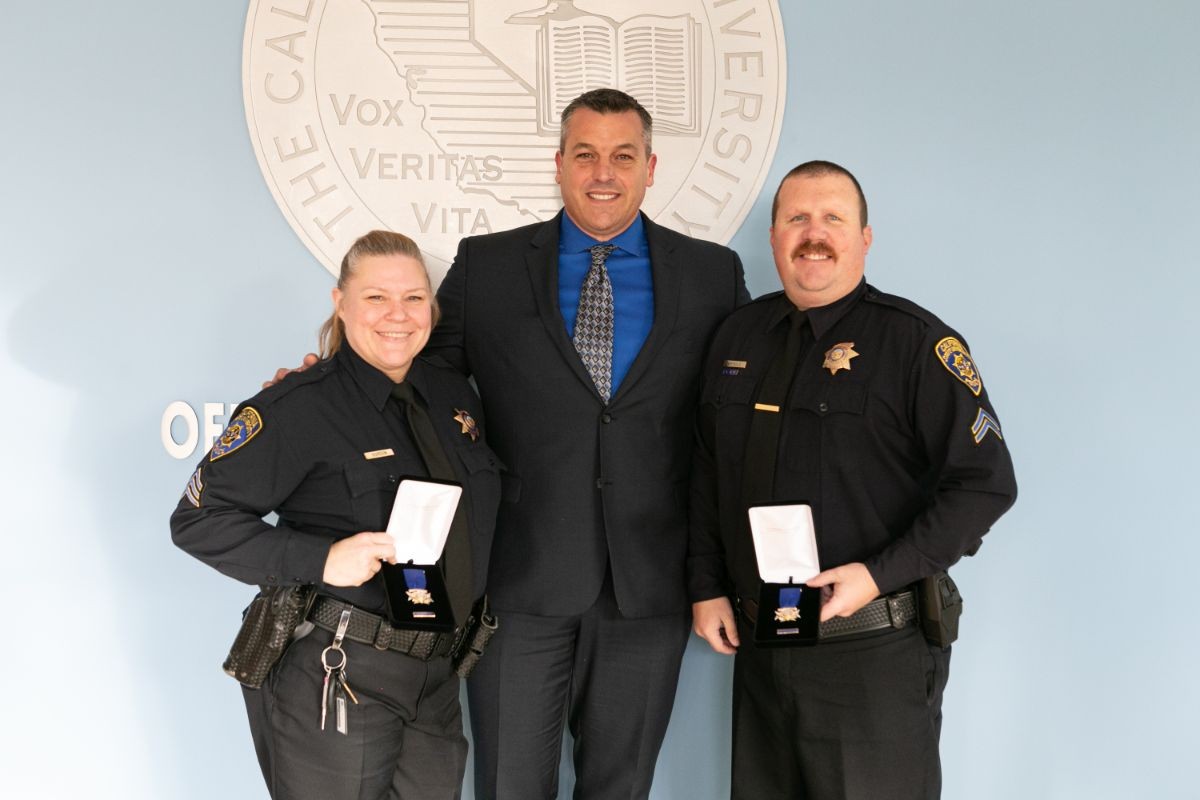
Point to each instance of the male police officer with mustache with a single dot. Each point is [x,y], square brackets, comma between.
[884,428]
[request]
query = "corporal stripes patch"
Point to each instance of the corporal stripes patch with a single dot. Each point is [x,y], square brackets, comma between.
[194,488]
[985,422]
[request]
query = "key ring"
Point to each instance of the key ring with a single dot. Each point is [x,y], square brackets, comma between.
[339,634]
[324,658]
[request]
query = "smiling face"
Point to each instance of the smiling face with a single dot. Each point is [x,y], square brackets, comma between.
[603,171]
[386,307]
[818,239]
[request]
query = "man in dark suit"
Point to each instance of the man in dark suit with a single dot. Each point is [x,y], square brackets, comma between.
[585,336]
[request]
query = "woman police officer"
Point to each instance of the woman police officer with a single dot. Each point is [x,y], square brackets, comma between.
[324,449]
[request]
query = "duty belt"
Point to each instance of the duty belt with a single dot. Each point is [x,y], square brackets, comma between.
[372,629]
[897,611]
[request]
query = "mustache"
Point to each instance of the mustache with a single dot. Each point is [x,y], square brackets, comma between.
[811,248]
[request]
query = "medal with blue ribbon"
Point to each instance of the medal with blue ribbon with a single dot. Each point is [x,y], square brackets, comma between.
[417,594]
[789,604]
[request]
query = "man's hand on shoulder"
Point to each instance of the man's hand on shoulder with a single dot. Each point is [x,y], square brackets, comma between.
[282,372]
[847,589]
[713,621]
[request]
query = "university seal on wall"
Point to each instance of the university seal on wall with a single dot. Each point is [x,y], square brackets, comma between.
[439,118]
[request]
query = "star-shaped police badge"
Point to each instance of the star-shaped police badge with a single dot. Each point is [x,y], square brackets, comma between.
[838,357]
[468,423]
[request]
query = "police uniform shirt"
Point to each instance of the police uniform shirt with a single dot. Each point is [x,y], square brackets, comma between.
[887,432]
[326,449]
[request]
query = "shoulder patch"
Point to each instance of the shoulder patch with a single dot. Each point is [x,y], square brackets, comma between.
[955,358]
[244,427]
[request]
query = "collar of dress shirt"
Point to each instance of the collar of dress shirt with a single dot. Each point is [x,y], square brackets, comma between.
[632,240]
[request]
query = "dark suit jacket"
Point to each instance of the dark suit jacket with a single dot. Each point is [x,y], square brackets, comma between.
[587,483]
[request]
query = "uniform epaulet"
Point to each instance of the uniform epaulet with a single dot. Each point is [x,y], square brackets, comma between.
[873,295]
[436,361]
[292,381]
[763,298]
[746,312]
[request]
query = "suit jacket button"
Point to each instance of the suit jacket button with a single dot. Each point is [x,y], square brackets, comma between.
[606,418]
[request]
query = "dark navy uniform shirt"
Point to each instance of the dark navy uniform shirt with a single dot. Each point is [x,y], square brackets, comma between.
[325,449]
[897,450]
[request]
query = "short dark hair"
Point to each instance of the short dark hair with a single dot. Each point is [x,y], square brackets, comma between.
[819,169]
[606,101]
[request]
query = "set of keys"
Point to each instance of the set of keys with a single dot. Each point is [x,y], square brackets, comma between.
[335,689]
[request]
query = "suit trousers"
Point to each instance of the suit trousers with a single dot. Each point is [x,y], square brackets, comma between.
[610,679]
[853,719]
[404,740]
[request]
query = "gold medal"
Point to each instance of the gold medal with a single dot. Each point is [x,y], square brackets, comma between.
[420,597]
[838,357]
[789,614]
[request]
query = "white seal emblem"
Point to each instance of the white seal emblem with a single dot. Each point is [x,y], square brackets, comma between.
[439,118]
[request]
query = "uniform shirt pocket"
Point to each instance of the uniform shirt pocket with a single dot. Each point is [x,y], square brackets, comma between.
[372,487]
[825,399]
[730,390]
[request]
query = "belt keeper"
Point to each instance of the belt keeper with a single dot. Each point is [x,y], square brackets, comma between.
[893,607]
[383,636]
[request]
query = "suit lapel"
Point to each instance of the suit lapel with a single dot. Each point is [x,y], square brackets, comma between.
[542,263]
[667,274]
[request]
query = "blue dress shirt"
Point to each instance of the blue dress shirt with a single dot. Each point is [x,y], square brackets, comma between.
[632,285]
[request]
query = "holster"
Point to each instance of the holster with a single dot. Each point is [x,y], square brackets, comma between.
[472,639]
[941,606]
[268,627]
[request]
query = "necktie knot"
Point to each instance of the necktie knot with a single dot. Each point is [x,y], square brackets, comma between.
[403,394]
[600,252]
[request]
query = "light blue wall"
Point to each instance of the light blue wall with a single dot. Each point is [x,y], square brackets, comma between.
[1032,170]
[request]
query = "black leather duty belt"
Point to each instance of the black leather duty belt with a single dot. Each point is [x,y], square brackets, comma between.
[898,610]
[372,629]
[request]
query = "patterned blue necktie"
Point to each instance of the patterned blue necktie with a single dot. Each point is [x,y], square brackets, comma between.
[593,338]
